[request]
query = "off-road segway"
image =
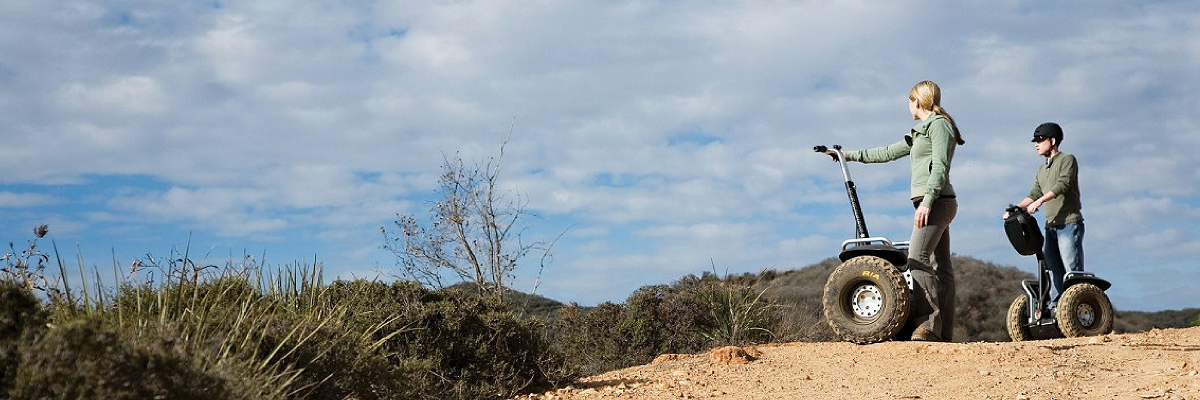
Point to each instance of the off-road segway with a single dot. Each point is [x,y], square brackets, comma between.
[866,298]
[1083,308]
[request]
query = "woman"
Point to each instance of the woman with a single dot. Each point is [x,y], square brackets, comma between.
[930,145]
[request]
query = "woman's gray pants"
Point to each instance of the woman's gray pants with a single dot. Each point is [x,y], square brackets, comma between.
[933,272]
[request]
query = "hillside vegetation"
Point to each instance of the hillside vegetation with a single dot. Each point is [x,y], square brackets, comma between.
[184,331]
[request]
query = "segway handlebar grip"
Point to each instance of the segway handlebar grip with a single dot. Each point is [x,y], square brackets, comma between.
[836,154]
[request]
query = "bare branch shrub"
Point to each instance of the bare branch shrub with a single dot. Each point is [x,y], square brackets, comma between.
[474,231]
[27,268]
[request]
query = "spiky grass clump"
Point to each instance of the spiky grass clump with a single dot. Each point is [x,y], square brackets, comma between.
[740,313]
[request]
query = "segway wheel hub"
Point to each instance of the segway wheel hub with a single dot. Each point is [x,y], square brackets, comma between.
[1086,315]
[867,302]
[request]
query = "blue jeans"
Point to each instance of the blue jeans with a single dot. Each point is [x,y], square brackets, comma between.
[1064,249]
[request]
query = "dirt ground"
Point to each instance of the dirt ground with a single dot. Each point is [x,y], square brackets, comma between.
[1159,364]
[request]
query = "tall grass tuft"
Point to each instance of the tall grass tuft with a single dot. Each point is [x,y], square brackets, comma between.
[740,313]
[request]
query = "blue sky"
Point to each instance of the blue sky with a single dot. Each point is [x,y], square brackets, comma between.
[665,138]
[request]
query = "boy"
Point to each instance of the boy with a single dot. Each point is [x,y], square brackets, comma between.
[1057,188]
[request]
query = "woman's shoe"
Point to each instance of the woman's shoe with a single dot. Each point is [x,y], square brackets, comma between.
[924,335]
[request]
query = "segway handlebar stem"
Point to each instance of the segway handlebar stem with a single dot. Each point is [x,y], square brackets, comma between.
[860,224]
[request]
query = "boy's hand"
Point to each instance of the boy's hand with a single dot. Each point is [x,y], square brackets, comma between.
[1033,207]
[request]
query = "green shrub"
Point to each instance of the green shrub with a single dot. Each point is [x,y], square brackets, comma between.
[19,310]
[450,343]
[590,339]
[333,361]
[21,316]
[654,320]
[89,359]
[478,348]
[662,319]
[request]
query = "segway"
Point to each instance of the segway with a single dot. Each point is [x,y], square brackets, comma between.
[867,298]
[1083,307]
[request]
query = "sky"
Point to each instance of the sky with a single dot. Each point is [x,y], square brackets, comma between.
[658,138]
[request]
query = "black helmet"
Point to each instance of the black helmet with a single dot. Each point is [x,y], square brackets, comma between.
[1048,130]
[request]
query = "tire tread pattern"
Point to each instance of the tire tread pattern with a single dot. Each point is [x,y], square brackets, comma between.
[890,281]
[1080,294]
[1018,316]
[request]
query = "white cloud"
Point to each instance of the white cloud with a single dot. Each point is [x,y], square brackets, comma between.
[20,200]
[665,133]
[135,96]
[227,211]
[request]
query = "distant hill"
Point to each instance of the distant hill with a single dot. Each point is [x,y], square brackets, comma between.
[984,292]
[520,302]
[1137,321]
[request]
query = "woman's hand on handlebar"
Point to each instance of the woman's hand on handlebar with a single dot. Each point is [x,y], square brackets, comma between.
[832,152]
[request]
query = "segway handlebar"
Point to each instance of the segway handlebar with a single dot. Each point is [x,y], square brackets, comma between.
[860,224]
[836,152]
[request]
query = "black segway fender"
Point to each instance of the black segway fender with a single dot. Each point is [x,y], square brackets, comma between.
[896,257]
[1073,278]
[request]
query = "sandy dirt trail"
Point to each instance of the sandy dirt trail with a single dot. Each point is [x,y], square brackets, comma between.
[1159,364]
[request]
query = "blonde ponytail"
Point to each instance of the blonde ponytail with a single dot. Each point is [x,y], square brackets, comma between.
[957,135]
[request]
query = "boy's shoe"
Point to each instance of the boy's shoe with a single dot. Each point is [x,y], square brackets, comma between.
[925,335]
